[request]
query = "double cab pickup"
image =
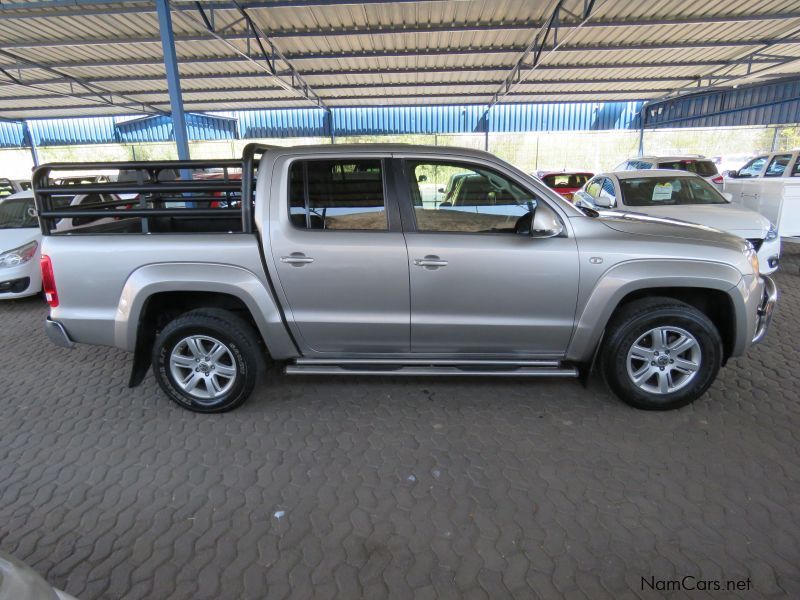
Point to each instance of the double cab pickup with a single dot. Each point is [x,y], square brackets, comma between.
[387,260]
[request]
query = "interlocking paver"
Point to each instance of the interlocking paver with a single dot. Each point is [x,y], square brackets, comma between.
[392,487]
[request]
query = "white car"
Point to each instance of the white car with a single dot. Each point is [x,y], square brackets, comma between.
[776,164]
[20,240]
[695,163]
[683,196]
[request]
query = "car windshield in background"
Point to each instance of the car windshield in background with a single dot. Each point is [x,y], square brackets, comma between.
[17,213]
[704,168]
[566,180]
[668,191]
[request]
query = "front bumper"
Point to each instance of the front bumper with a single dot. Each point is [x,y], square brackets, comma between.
[765,309]
[57,334]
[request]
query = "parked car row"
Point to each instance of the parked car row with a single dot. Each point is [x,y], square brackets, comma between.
[650,185]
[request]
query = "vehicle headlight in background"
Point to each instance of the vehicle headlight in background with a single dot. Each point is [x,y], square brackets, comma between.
[18,256]
[752,256]
[772,233]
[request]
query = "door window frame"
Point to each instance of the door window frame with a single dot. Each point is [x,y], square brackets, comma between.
[408,214]
[390,201]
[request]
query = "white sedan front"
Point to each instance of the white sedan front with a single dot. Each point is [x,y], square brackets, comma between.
[683,196]
[20,241]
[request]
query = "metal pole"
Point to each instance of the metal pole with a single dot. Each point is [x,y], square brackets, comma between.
[776,138]
[26,132]
[173,79]
[642,114]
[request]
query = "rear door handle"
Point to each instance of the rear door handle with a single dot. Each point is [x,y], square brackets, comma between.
[431,261]
[297,259]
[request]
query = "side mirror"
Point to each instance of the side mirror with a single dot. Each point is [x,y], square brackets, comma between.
[422,178]
[728,196]
[603,202]
[733,173]
[440,190]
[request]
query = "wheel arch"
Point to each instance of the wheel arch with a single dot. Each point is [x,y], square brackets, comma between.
[156,293]
[709,287]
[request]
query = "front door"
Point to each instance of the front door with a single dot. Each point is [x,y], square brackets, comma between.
[341,258]
[479,283]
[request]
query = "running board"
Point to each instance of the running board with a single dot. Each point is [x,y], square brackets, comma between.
[468,369]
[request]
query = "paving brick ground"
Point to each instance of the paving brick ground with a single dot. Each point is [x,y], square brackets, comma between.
[347,488]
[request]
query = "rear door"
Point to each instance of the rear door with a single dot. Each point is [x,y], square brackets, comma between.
[478,285]
[340,256]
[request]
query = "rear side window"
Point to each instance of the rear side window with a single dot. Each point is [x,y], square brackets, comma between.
[704,168]
[6,189]
[777,165]
[593,189]
[338,195]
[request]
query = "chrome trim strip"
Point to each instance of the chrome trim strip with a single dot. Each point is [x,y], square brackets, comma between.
[766,308]
[421,371]
[426,362]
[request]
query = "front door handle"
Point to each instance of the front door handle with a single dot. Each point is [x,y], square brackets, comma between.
[431,261]
[297,259]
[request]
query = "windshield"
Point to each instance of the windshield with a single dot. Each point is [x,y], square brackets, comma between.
[566,180]
[668,191]
[16,213]
[704,168]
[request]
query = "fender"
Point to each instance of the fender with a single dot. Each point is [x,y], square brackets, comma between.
[202,277]
[631,276]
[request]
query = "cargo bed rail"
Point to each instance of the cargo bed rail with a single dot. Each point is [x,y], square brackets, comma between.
[147,197]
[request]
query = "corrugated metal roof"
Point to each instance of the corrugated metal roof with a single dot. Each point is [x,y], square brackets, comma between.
[423,53]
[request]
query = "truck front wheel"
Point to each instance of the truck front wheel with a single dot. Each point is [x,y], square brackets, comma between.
[207,360]
[660,354]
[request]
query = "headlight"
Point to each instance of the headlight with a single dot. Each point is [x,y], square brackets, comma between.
[18,256]
[772,233]
[752,256]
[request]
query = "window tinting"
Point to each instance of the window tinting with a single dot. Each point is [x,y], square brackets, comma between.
[453,197]
[777,165]
[704,168]
[337,194]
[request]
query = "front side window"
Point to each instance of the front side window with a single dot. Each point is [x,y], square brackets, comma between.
[593,189]
[777,165]
[753,168]
[668,191]
[464,198]
[338,195]
[608,192]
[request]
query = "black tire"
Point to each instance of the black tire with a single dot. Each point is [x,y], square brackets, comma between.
[245,358]
[633,321]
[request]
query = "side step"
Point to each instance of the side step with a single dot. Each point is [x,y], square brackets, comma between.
[419,367]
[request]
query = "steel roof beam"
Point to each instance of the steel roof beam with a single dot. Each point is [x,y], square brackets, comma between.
[244,36]
[72,8]
[189,92]
[213,76]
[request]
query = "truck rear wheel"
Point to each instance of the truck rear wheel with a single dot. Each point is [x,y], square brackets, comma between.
[208,360]
[660,354]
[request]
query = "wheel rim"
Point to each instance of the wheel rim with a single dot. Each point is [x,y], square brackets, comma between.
[203,367]
[664,360]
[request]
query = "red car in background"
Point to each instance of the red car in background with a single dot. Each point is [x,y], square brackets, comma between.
[565,183]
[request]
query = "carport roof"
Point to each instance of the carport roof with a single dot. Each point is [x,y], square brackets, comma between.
[66,58]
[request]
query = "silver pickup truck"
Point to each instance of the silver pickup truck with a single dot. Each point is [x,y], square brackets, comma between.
[387,260]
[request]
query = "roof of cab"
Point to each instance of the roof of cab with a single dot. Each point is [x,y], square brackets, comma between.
[654,173]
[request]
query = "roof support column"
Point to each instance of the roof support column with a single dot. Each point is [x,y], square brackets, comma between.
[173,79]
[27,135]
